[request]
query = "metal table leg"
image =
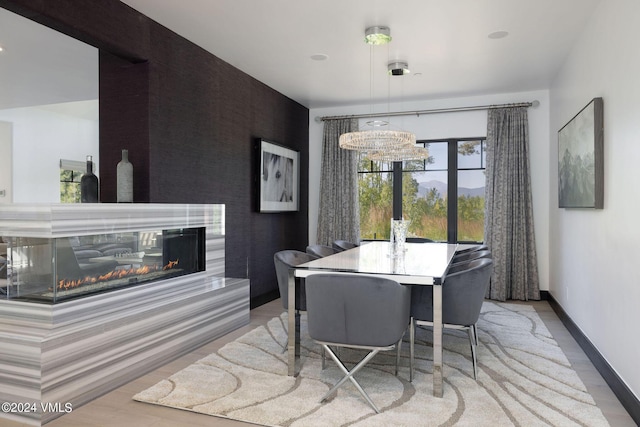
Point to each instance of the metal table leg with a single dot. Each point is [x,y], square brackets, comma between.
[437,340]
[293,347]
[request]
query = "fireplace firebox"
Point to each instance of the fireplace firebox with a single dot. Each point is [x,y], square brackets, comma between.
[53,270]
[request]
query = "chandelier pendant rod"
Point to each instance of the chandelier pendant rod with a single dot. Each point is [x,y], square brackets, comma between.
[432,111]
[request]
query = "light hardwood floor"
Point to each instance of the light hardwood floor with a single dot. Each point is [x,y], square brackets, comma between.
[116,409]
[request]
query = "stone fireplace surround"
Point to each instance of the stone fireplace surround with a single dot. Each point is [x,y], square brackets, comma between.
[75,351]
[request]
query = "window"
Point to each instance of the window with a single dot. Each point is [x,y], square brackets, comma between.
[443,196]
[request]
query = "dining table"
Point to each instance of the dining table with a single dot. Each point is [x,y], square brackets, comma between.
[422,264]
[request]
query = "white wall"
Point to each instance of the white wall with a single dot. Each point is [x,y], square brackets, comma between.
[455,125]
[41,137]
[6,174]
[593,253]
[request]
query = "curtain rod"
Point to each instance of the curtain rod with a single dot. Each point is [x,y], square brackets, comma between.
[433,111]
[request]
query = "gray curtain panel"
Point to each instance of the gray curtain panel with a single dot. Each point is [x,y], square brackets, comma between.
[339,215]
[509,215]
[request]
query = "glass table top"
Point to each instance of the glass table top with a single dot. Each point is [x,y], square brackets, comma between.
[427,260]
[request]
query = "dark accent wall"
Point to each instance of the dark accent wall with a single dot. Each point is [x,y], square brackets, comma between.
[189,121]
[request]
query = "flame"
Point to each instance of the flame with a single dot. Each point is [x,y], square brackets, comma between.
[114,274]
[171,264]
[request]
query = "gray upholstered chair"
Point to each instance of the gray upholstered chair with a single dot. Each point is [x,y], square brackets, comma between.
[462,296]
[343,245]
[283,261]
[363,312]
[321,250]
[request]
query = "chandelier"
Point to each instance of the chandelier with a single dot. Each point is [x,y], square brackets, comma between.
[378,139]
[399,154]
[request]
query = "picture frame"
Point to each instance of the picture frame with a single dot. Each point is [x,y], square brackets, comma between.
[279,178]
[581,159]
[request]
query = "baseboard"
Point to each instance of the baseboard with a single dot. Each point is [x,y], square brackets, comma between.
[263,299]
[545,296]
[629,401]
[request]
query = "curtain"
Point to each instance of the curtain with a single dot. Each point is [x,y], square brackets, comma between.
[508,208]
[339,212]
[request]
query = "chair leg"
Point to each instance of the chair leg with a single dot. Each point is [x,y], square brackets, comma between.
[412,337]
[398,349]
[475,333]
[473,340]
[349,375]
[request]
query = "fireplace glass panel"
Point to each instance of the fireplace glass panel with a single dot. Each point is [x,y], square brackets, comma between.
[55,270]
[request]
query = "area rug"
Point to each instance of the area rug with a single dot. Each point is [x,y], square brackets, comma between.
[524,379]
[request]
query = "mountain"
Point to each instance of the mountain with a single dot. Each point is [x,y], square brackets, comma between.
[441,188]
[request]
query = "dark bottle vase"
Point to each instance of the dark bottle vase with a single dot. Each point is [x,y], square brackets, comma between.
[89,184]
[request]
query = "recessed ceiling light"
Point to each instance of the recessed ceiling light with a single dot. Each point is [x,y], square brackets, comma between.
[319,57]
[498,34]
[1,48]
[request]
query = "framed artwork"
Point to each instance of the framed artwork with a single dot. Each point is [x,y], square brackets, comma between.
[581,159]
[279,178]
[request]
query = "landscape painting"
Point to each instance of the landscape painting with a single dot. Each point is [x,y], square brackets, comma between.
[580,159]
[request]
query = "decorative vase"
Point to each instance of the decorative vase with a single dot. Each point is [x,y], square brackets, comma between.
[399,228]
[89,184]
[125,179]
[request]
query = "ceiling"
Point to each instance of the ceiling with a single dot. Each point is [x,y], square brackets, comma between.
[445,43]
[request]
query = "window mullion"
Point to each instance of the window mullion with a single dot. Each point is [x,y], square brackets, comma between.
[397,190]
[452,191]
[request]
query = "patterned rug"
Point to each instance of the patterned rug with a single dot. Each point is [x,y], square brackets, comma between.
[524,379]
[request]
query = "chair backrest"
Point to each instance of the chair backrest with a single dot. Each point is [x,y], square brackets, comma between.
[471,248]
[321,250]
[462,295]
[468,256]
[354,309]
[283,261]
[418,240]
[343,245]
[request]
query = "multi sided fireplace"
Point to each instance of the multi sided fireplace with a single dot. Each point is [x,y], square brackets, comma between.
[53,270]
